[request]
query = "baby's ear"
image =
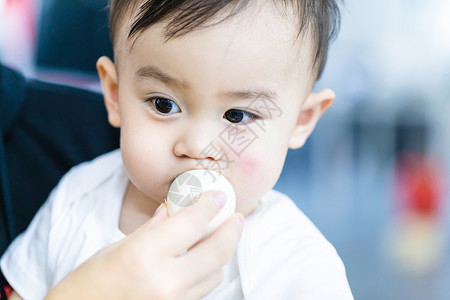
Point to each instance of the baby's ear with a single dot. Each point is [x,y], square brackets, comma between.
[108,77]
[313,108]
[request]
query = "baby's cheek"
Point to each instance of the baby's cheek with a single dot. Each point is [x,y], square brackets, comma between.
[249,162]
[251,181]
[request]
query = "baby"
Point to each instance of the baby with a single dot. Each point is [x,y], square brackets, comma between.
[200,84]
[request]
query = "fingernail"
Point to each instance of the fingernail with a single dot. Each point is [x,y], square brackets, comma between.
[158,209]
[220,199]
[241,218]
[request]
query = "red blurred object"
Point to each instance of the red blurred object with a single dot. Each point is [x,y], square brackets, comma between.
[419,184]
[415,240]
[7,290]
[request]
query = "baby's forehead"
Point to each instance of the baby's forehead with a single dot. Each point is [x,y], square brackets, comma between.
[316,25]
[272,19]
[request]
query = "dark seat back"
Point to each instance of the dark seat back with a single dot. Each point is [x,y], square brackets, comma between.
[45,130]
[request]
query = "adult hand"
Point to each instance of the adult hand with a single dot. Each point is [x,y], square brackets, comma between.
[147,263]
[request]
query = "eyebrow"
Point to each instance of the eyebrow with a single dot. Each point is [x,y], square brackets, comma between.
[252,94]
[155,73]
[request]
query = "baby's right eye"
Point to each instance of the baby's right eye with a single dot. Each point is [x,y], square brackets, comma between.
[164,106]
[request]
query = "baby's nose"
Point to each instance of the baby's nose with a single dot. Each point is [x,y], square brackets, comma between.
[198,141]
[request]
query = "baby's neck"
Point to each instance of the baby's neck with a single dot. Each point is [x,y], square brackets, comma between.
[249,209]
[136,210]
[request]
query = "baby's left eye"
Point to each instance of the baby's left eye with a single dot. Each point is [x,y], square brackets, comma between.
[239,116]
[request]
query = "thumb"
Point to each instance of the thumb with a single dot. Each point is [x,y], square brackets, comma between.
[159,215]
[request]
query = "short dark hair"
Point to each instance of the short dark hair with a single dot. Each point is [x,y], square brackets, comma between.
[320,17]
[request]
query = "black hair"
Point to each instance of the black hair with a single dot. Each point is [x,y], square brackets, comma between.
[320,17]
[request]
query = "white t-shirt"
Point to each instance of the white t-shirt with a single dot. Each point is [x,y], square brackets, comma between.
[281,254]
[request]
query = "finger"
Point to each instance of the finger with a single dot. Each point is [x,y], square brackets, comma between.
[160,215]
[190,225]
[212,253]
[145,233]
[206,286]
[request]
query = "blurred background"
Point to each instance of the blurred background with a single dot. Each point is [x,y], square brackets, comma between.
[374,176]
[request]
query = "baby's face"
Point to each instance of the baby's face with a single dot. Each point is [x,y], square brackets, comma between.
[225,98]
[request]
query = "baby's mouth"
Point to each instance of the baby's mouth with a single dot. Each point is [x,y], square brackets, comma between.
[213,174]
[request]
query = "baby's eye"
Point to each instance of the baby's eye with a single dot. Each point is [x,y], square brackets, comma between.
[239,116]
[164,106]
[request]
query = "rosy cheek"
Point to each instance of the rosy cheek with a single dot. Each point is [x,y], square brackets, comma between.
[249,162]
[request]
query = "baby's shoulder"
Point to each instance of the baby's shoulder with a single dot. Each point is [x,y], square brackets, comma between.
[85,176]
[279,232]
[83,179]
[278,213]
[283,253]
